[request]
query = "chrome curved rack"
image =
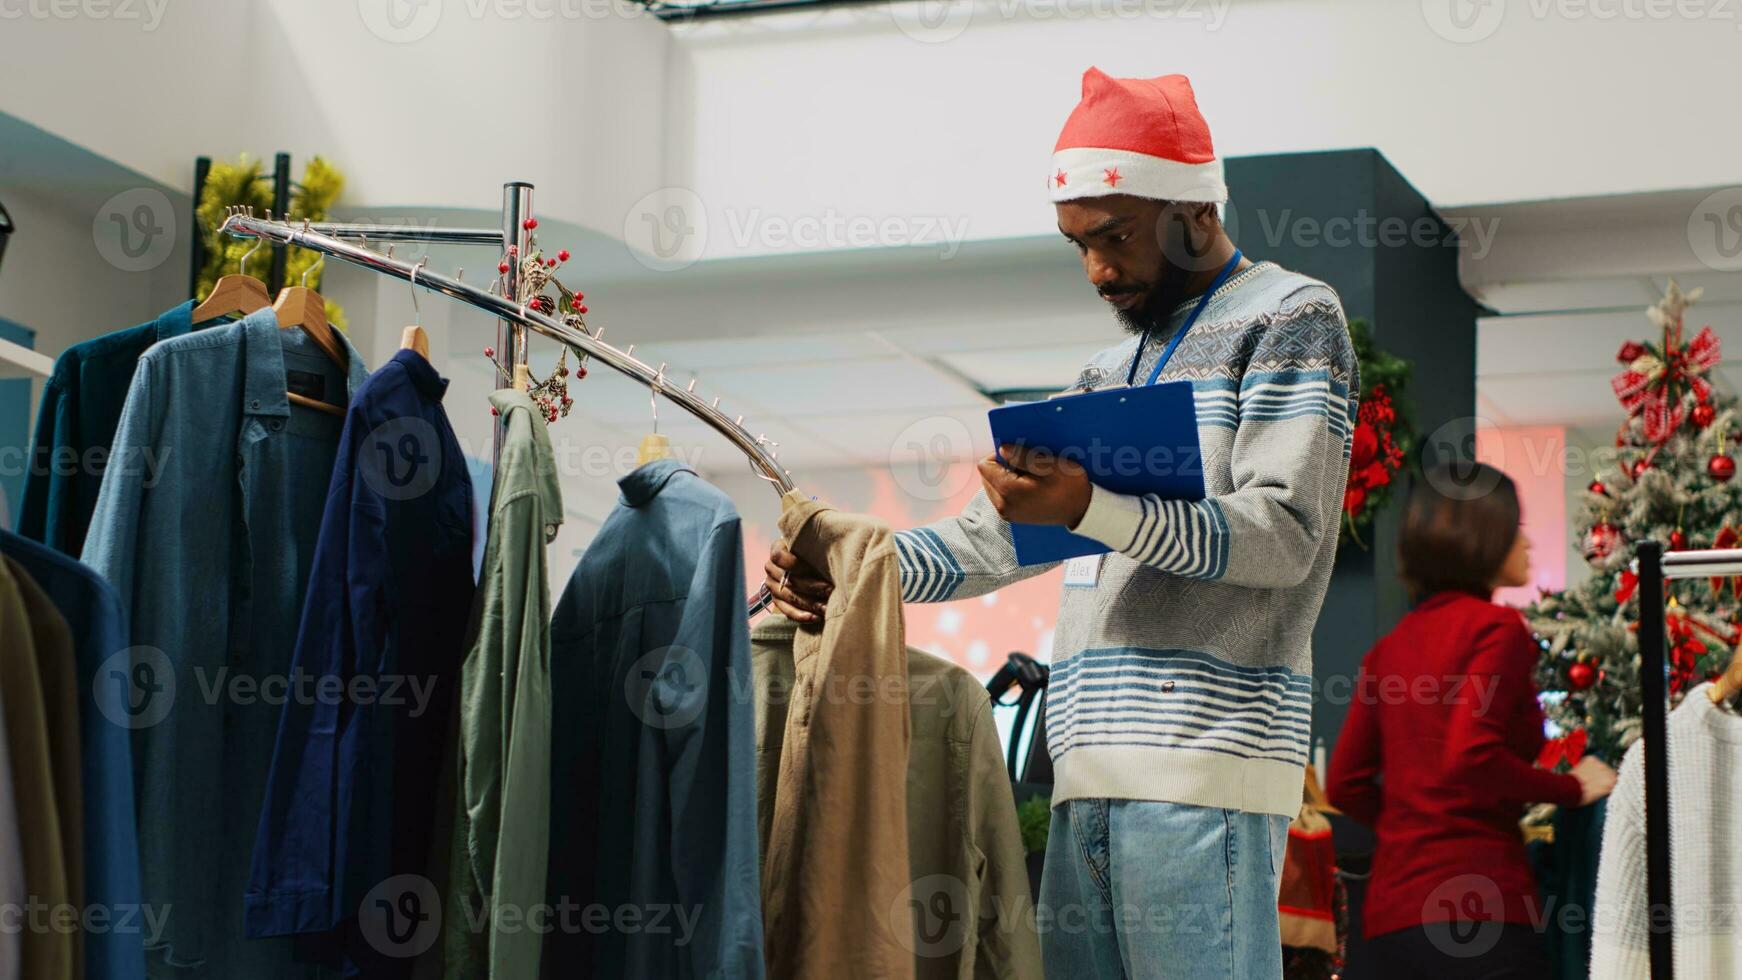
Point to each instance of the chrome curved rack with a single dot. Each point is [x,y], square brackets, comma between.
[762,453]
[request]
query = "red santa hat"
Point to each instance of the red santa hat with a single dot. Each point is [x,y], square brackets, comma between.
[1140,136]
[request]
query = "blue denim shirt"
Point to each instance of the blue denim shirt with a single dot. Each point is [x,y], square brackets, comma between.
[653,766]
[354,775]
[111,841]
[206,527]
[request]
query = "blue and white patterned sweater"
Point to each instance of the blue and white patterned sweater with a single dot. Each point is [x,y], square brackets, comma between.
[1183,673]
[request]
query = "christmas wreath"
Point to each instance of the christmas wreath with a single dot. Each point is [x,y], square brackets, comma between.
[1383,433]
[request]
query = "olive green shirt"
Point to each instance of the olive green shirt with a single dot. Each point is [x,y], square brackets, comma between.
[502,821]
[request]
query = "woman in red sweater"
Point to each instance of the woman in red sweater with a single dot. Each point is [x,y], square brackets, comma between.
[1437,753]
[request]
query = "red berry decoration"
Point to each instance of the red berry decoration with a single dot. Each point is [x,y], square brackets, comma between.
[1703,414]
[580,372]
[1677,540]
[529,224]
[514,250]
[562,255]
[567,401]
[489,352]
[493,410]
[1581,676]
[1598,488]
[1721,468]
[502,268]
[581,309]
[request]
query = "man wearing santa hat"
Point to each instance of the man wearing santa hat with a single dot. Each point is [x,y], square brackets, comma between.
[1179,711]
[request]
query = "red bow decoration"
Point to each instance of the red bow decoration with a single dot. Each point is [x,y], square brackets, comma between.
[1629,585]
[1568,749]
[1655,378]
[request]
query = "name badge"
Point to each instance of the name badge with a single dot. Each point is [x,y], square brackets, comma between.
[1083,572]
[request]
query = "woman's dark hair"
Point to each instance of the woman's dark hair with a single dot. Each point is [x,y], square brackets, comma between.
[1458,527]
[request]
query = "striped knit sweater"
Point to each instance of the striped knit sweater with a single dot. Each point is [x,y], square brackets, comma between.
[1183,673]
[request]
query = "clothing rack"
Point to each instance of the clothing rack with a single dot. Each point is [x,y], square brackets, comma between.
[514,318]
[1654,567]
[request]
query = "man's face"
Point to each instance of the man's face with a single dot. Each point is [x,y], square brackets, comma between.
[1139,254]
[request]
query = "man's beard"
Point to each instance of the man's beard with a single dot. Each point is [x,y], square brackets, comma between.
[1156,309]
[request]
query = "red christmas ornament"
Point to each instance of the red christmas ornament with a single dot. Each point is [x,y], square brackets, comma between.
[1580,676]
[529,224]
[1677,540]
[1703,414]
[562,255]
[1601,540]
[1640,465]
[1598,488]
[1721,468]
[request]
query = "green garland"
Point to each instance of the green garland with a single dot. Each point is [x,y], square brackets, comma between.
[1385,415]
[244,183]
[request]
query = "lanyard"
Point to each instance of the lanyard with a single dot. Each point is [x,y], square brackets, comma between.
[1180,335]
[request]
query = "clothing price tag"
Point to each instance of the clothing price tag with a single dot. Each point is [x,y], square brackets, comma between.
[1083,572]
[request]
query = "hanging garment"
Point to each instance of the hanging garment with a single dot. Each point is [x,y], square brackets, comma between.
[75,428]
[348,800]
[502,823]
[1308,899]
[837,863]
[110,836]
[38,695]
[969,892]
[653,803]
[206,527]
[1705,753]
[13,892]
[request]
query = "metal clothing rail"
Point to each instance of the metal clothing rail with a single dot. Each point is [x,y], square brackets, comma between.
[762,453]
[1654,567]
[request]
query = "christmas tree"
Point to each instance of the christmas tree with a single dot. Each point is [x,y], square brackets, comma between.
[1671,481]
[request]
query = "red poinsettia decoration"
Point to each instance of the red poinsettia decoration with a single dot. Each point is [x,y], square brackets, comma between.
[1374,456]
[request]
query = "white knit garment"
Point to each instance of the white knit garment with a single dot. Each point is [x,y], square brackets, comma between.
[1705,817]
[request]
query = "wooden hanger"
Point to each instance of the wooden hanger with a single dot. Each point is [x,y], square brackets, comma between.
[238,293]
[300,306]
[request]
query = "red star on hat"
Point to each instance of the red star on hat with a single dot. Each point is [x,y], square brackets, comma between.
[1060,178]
[1112,178]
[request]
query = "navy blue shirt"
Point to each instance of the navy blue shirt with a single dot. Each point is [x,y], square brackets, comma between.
[75,427]
[355,772]
[653,760]
[111,839]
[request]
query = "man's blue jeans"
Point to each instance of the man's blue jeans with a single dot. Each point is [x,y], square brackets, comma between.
[1140,889]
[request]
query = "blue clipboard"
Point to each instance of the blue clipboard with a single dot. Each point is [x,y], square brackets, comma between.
[1133,440]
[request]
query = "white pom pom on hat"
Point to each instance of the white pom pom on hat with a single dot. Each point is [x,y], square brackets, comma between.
[1138,136]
